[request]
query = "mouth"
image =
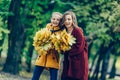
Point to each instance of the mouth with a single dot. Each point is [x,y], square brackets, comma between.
[54,24]
[67,24]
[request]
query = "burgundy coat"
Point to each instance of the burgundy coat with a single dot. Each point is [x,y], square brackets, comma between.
[75,62]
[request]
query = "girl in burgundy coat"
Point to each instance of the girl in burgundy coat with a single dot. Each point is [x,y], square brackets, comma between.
[75,64]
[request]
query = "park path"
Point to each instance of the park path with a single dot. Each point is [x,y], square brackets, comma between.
[8,76]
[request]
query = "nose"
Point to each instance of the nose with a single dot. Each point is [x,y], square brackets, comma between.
[66,21]
[55,20]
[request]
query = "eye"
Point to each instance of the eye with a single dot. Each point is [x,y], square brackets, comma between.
[58,19]
[69,19]
[53,19]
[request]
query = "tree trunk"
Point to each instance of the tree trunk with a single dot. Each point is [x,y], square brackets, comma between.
[92,64]
[96,71]
[15,38]
[1,43]
[97,67]
[29,58]
[106,61]
[113,70]
[105,66]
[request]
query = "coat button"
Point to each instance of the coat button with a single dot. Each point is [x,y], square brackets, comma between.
[53,57]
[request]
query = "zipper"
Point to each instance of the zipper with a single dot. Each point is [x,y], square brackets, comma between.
[57,57]
[45,60]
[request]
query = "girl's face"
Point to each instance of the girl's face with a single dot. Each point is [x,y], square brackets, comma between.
[55,20]
[68,21]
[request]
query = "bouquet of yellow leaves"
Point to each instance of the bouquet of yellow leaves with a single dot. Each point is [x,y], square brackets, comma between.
[63,41]
[42,41]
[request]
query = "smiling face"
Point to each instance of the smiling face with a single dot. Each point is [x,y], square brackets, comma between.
[55,20]
[68,21]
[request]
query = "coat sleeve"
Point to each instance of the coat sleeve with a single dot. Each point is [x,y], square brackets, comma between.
[78,47]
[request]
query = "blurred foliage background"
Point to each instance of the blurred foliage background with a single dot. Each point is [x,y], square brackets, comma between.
[99,19]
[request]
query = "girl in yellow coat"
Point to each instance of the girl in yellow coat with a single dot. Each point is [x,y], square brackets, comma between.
[50,60]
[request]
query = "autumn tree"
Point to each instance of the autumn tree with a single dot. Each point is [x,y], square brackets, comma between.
[15,39]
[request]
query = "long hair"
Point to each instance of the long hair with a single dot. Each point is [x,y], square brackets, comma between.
[73,18]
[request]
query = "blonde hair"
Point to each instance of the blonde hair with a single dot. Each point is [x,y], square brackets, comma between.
[58,13]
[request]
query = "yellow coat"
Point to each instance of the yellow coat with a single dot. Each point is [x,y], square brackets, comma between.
[52,59]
